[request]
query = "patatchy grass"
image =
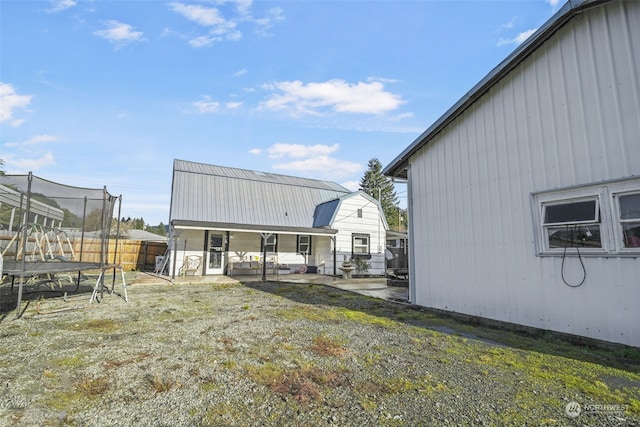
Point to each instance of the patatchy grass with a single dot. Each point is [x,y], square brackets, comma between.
[280,354]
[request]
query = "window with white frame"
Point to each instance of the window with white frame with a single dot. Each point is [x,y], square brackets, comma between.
[304,244]
[597,219]
[572,223]
[271,243]
[628,219]
[361,245]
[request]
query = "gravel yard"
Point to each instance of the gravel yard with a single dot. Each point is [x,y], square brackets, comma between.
[292,354]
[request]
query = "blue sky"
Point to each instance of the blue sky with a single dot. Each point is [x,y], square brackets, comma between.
[108,93]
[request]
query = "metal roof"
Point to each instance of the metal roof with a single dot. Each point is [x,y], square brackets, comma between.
[325,212]
[204,194]
[397,168]
[145,235]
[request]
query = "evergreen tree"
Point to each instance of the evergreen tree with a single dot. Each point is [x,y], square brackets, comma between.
[157,229]
[380,187]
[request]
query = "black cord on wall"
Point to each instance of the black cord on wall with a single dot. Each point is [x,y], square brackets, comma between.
[570,233]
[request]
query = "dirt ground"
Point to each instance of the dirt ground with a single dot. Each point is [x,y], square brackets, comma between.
[295,353]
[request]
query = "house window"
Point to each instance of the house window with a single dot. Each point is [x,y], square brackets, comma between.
[572,223]
[629,219]
[360,245]
[598,219]
[359,213]
[304,245]
[272,243]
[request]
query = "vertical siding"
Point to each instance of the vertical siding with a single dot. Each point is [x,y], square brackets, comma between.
[569,114]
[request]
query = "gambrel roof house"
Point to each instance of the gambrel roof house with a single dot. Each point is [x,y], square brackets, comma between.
[236,221]
[524,197]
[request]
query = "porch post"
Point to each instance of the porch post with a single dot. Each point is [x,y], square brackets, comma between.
[335,256]
[265,236]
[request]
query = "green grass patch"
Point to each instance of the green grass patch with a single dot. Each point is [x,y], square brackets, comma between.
[364,318]
[305,384]
[97,325]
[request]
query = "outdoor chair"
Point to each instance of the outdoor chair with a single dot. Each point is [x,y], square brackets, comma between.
[191,266]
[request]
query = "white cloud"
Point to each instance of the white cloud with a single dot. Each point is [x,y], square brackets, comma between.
[255,151]
[311,160]
[205,16]
[263,25]
[203,41]
[243,6]
[351,185]
[10,100]
[334,95]
[381,80]
[297,151]
[21,165]
[554,3]
[517,39]
[60,5]
[119,34]
[240,72]
[220,27]
[509,25]
[210,39]
[400,117]
[325,165]
[206,105]
[36,140]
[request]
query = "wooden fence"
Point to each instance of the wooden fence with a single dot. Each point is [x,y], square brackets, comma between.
[131,254]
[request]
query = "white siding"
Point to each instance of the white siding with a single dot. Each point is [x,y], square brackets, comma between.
[247,247]
[568,115]
[347,223]
[190,242]
[244,246]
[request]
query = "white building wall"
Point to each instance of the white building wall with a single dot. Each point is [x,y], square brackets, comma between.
[347,223]
[568,115]
[189,242]
[246,246]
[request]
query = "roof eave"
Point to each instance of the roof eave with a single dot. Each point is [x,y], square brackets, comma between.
[251,228]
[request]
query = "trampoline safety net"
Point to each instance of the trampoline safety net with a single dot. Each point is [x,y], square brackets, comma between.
[48,228]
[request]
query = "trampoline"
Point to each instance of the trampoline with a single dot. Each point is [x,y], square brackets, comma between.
[49,229]
[14,269]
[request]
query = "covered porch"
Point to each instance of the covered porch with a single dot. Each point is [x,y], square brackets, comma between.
[206,249]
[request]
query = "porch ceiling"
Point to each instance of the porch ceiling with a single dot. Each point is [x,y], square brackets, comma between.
[251,228]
